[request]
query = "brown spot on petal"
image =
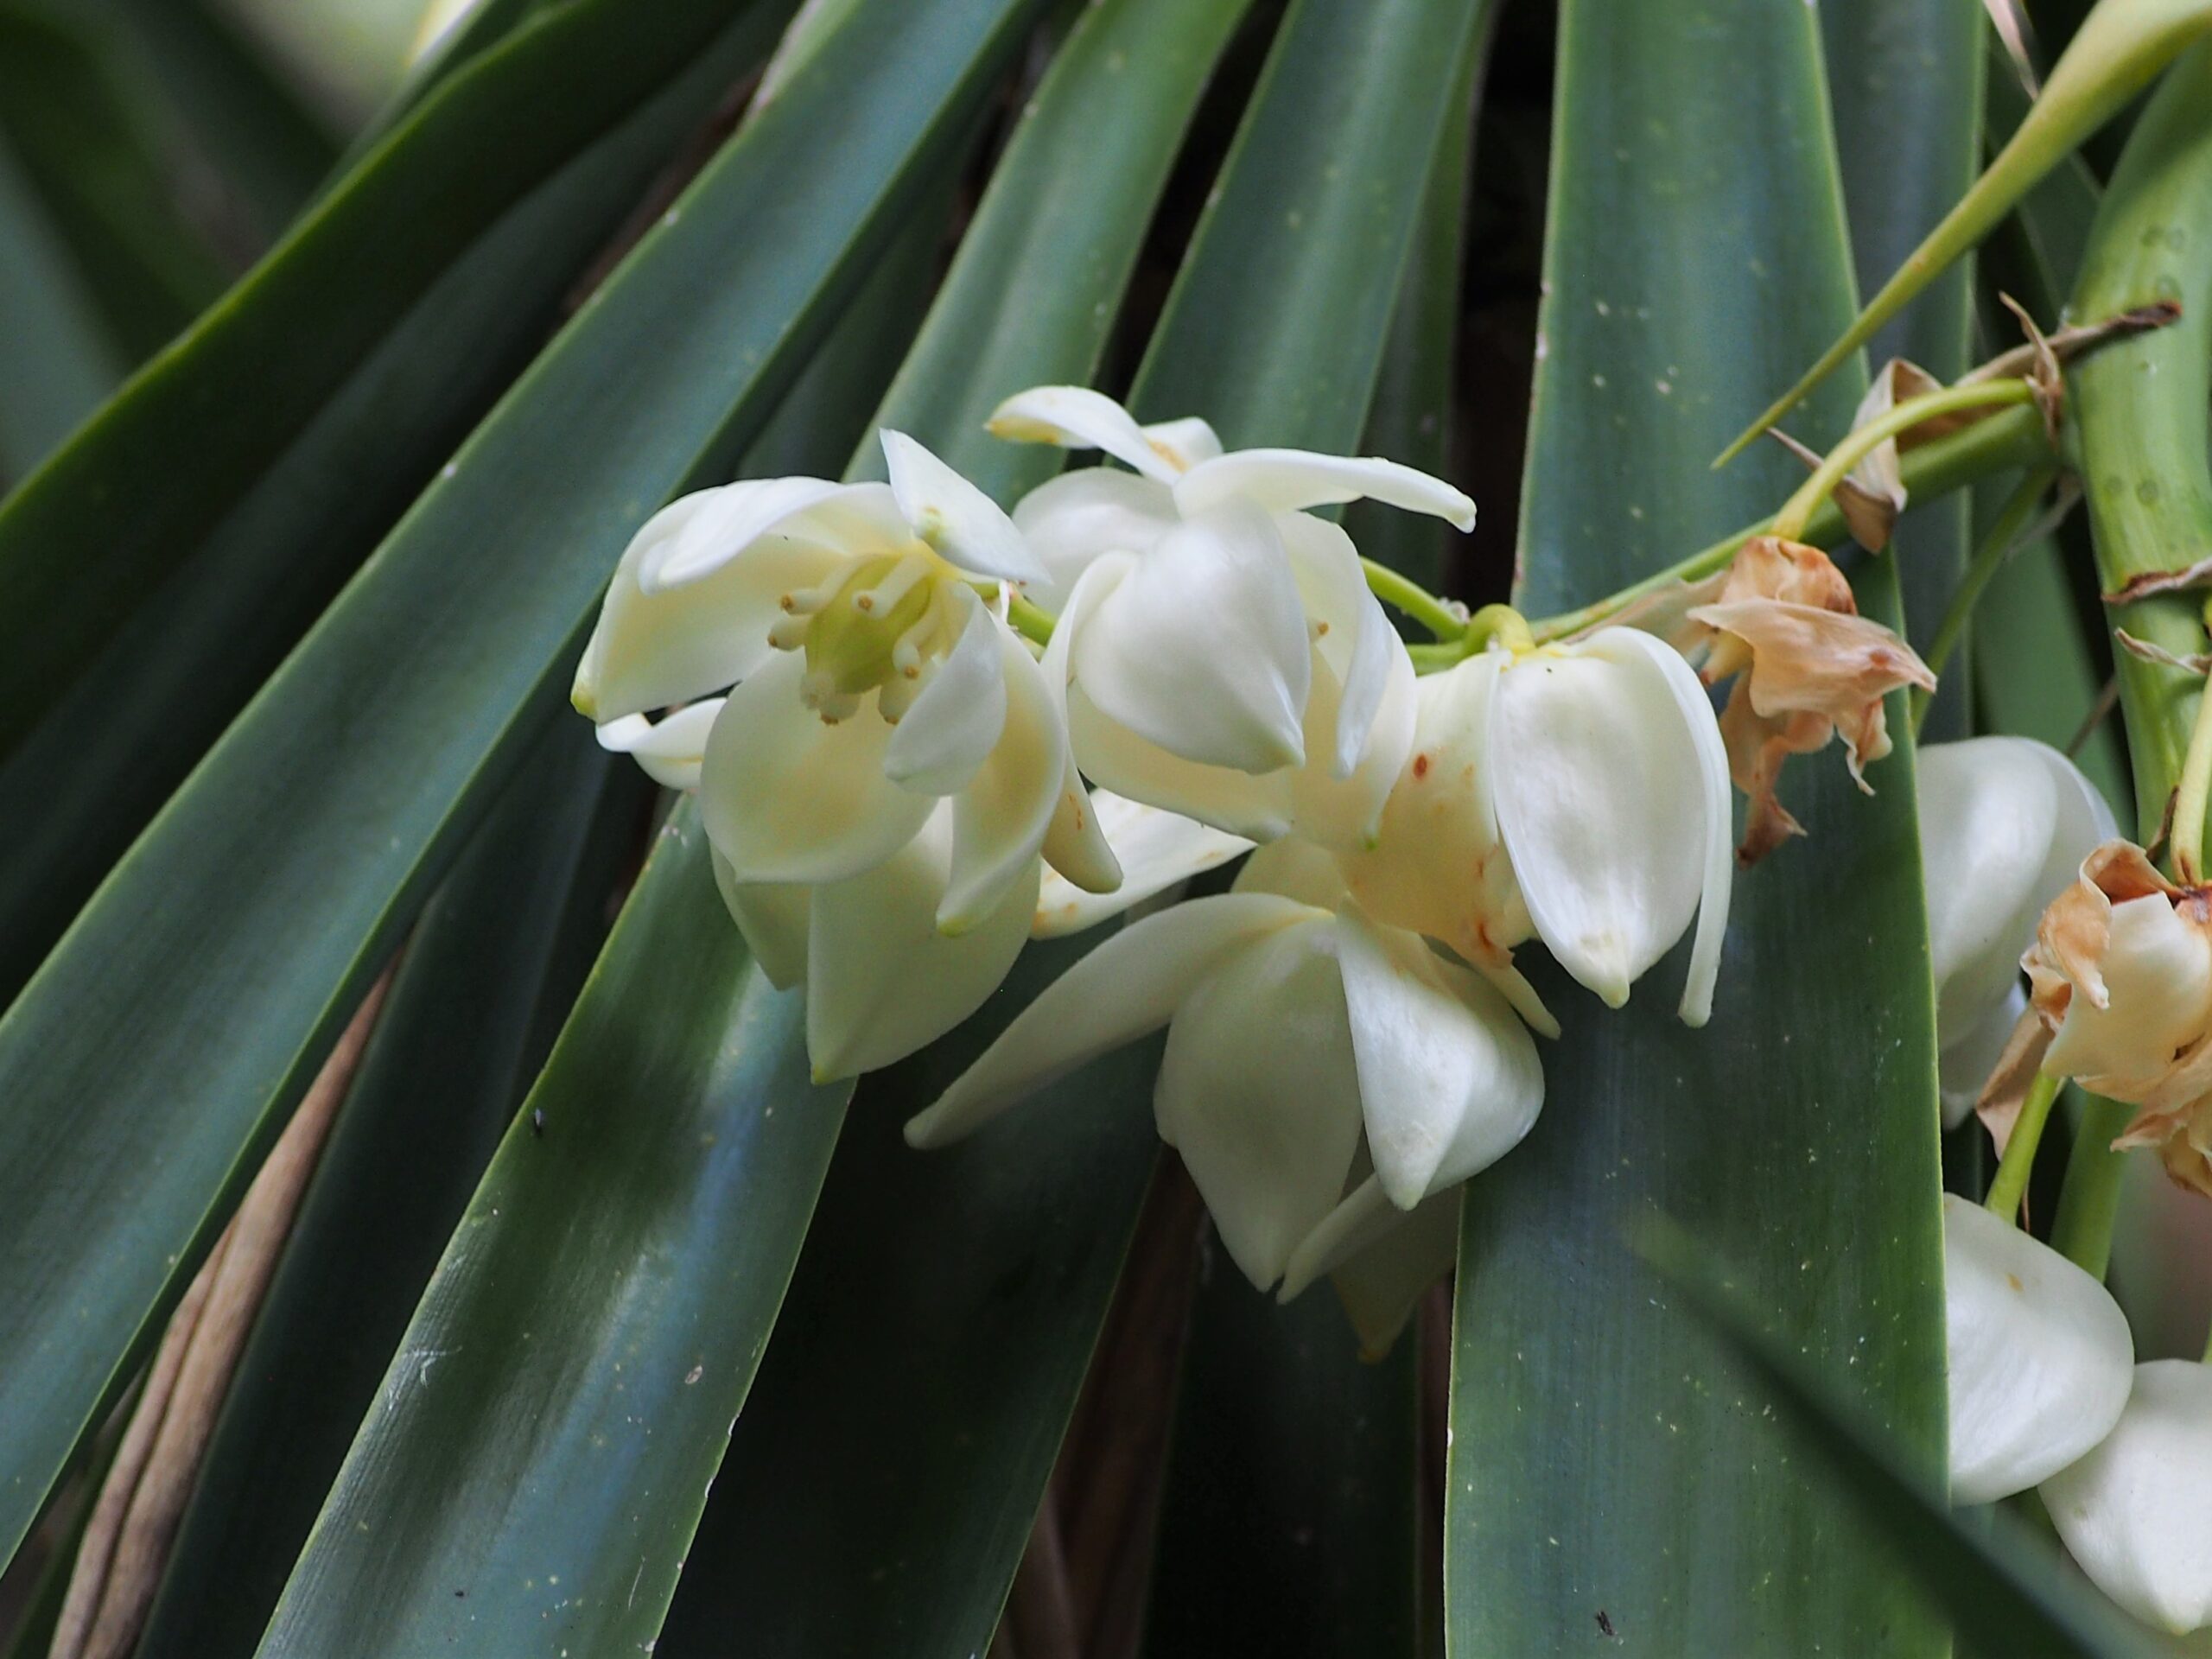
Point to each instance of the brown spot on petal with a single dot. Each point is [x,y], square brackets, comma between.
[1421,766]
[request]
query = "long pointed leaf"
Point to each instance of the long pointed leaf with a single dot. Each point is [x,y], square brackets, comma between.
[1595,1467]
[134,491]
[189,1001]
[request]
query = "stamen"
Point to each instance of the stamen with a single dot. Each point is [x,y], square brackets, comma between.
[816,687]
[838,705]
[897,697]
[789,633]
[805,601]
[886,594]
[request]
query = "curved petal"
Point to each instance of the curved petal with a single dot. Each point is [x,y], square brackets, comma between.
[1436,862]
[669,751]
[1077,417]
[648,651]
[786,796]
[1076,845]
[955,518]
[1989,811]
[1362,1217]
[942,741]
[999,820]
[1345,814]
[1350,630]
[2136,1511]
[1072,520]
[883,979]
[1259,1092]
[1156,850]
[844,518]
[1381,1286]
[1130,985]
[1612,787]
[1201,649]
[2039,1354]
[2158,976]
[1257,808]
[1449,1080]
[774,920]
[1286,481]
[1183,443]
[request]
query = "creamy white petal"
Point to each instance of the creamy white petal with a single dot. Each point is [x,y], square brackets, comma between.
[1286,481]
[1350,630]
[1964,1060]
[2157,974]
[940,743]
[1382,1285]
[1185,442]
[2039,1354]
[951,515]
[1256,807]
[2162,1259]
[1612,786]
[1079,517]
[1077,417]
[1000,819]
[1259,1092]
[774,919]
[1449,1080]
[2136,1512]
[1362,1217]
[883,979]
[649,651]
[1201,649]
[1436,862]
[787,797]
[2004,821]
[846,518]
[1130,985]
[1076,846]
[668,751]
[1346,814]
[1156,850]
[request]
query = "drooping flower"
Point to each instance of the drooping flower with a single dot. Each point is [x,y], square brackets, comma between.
[1224,656]
[2005,823]
[1811,666]
[889,748]
[2039,1354]
[2136,1510]
[1578,794]
[1302,1038]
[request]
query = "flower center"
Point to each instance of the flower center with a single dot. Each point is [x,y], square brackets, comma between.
[885,625]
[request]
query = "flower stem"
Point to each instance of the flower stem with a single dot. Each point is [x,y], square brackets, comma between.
[2005,536]
[2189,798]
[2015,438]
[2089,1202]
[2011,1183]
[1029,619]
[1790,523]
[1403,593]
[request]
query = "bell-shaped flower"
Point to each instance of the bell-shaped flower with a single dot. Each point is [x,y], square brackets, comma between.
[2136,1511]
[2040,1357]
[1578,792]
[1811,666]
[1302,1036]
[886,741]
[1224,658]
[2005,823]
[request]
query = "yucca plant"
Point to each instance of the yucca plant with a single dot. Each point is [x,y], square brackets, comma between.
[456,1196]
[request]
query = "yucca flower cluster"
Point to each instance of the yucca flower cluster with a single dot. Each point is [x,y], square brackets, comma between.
[923,730]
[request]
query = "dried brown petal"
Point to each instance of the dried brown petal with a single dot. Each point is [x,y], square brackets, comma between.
[2145,583]
[2014,1074]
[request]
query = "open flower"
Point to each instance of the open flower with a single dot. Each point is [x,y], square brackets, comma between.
[1811,666]
[1224,658]
[2040,1357]
[2005,823]
[2136,1511]
[887,744]
[1302,1039]
[1578,794]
